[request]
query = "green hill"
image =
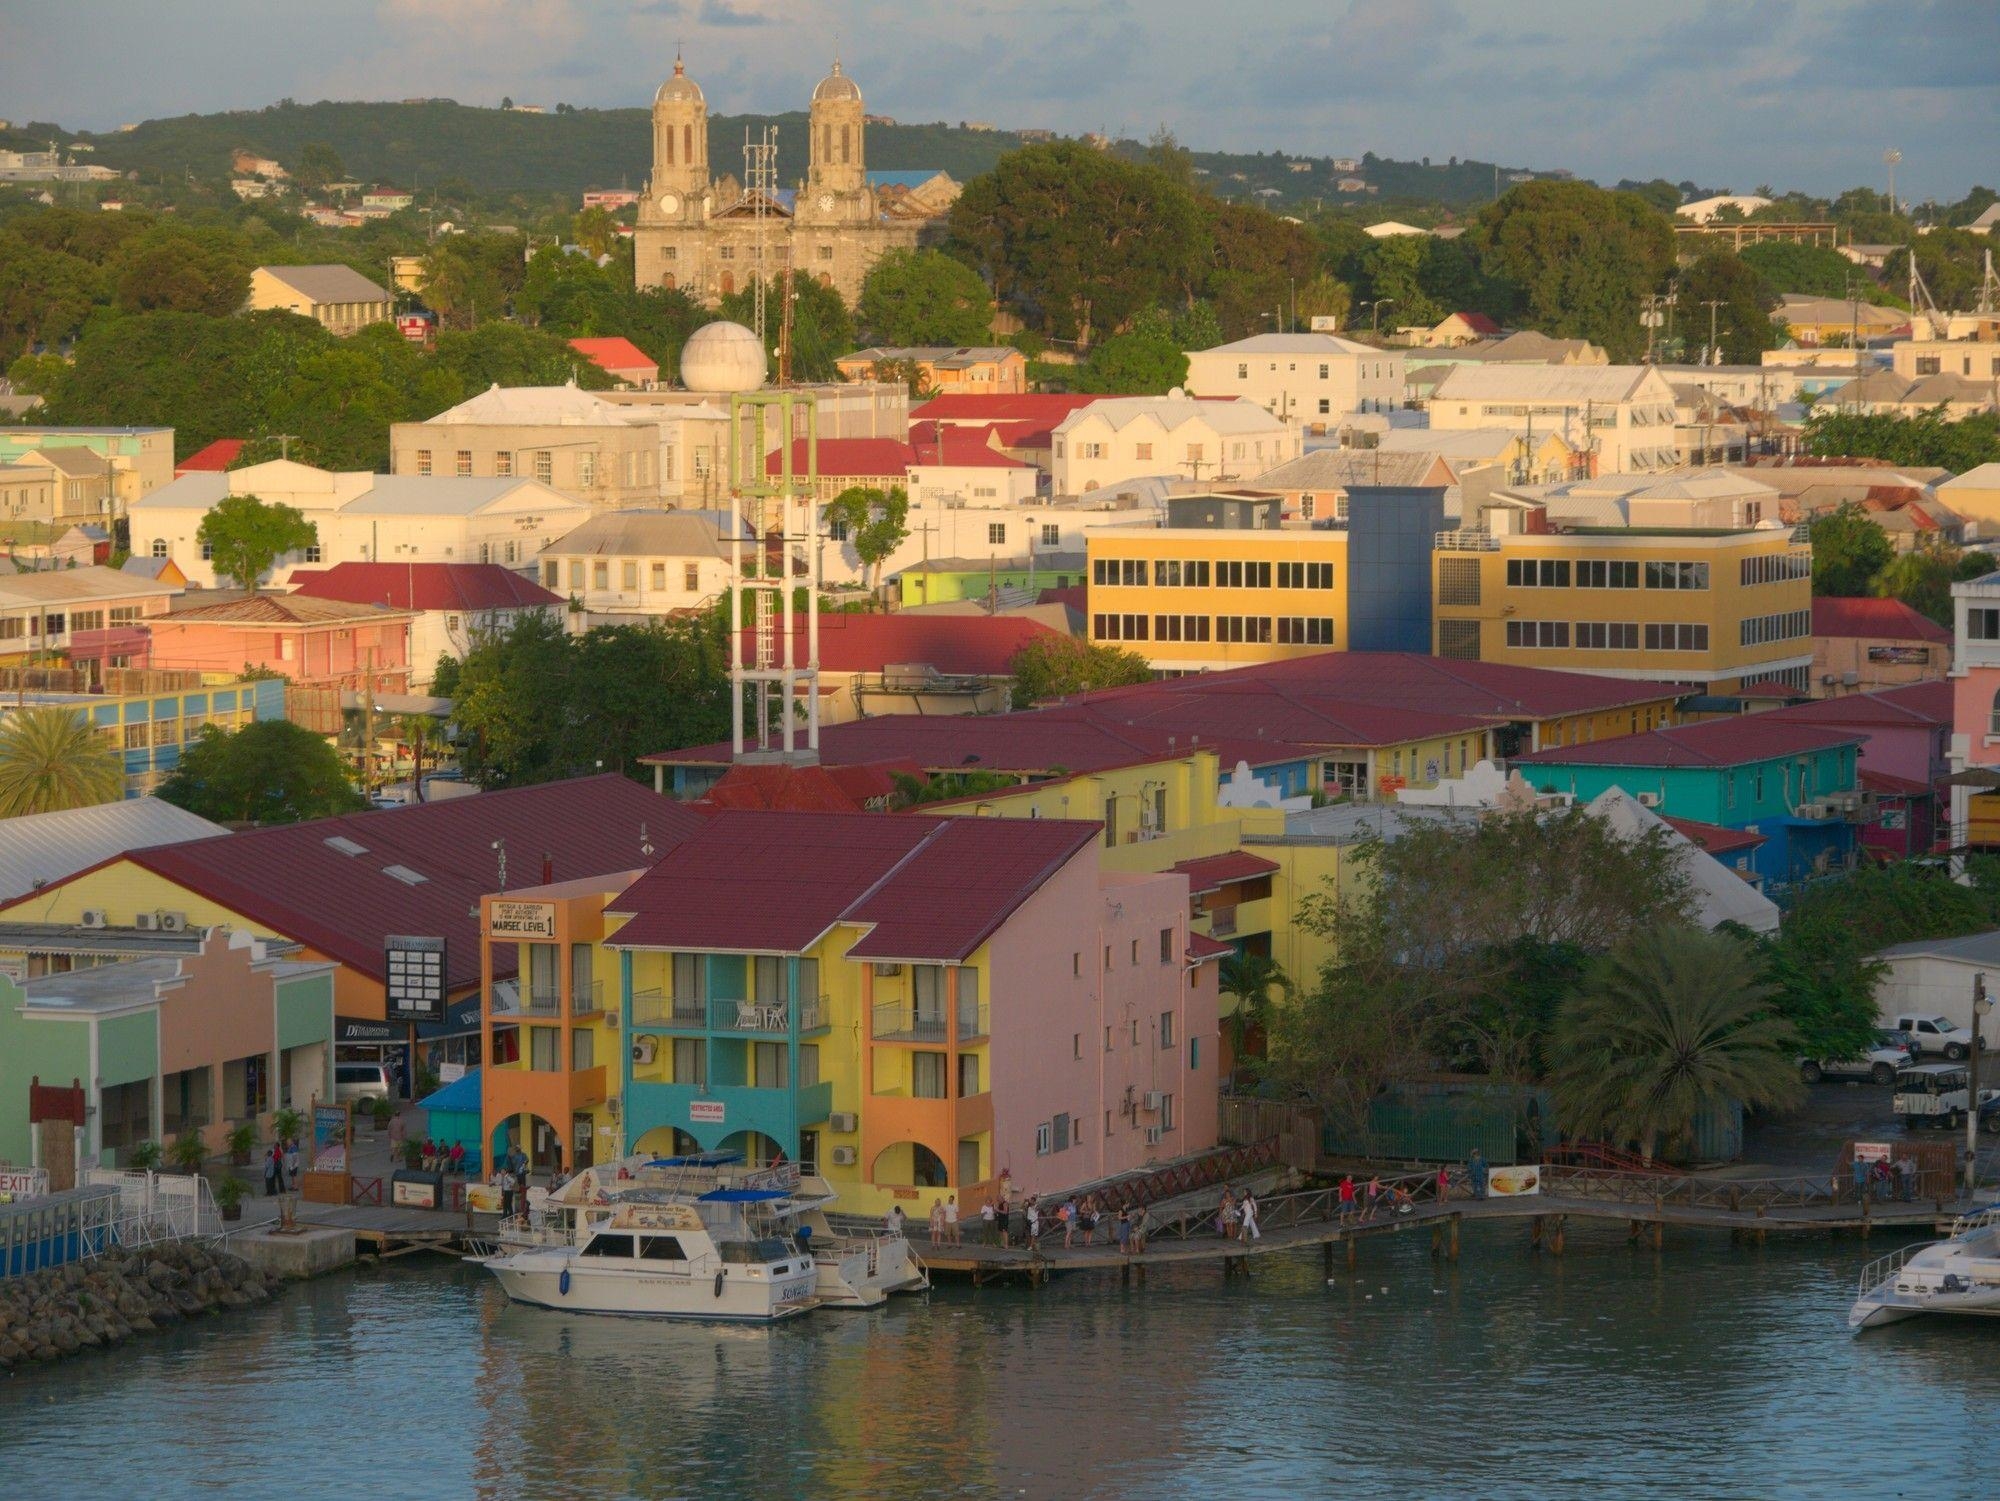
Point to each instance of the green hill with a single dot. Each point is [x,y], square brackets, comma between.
[497,152]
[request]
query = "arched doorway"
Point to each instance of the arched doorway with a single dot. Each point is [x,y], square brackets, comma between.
[909,1164]
[666,1141]
[667,281]
[547,1151]
[756,1148]
[728,283]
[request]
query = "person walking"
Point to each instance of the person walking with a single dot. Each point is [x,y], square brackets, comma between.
[1374,1200]
[1067,1214]
[1247,1212]
[1347,1198]
[274,1172]
[951,1220]
[1225,1219]
[292,1163]
[1444,1183]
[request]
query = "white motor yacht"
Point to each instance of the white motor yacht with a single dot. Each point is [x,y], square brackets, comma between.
[660,1260]
[1958,1275]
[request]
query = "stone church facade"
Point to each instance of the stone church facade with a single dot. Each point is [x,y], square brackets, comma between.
[699,233]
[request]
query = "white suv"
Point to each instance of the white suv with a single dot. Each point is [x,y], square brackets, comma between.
[1878,1065]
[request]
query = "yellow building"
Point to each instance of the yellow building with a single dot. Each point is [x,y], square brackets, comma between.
[1192,599]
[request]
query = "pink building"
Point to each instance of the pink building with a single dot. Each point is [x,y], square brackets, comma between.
[1902,764]
[1975,740]
[319,643]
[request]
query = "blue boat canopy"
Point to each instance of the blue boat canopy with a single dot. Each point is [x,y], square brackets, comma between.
[698,1159]
[742,1195]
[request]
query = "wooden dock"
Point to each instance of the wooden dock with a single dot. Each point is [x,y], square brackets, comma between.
[383,1230]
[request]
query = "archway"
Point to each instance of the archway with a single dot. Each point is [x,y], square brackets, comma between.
[667,281]
[728,283]
[665,1141]
[540,1138]
[909,1164]
[757,1148]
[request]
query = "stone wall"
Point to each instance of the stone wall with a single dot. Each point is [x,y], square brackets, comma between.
[92,1304]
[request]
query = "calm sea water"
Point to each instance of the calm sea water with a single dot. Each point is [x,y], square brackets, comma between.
[1705,1370]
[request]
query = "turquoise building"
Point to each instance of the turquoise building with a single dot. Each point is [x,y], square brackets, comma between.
[149,729]
[1795,784]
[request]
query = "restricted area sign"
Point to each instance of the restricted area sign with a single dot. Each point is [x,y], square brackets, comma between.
[415,984]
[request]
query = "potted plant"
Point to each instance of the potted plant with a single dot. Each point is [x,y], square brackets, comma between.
[144,1157]
[188,1151]
[230,1192]
[413,1155]
[286,1125]
[384,1113]
[241,1139]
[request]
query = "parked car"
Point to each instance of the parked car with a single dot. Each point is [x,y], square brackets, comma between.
[1935,1095]
[1936,1034]
[1878,1065]
[355,1082]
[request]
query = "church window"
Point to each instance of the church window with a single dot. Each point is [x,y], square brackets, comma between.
[826,142]
[844,157]
[826,252]
[670,145]
[670,252]
[728,280]
[687,144]
[727,253]
[668,281]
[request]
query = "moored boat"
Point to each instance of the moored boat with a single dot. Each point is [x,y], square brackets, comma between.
[1960,1275]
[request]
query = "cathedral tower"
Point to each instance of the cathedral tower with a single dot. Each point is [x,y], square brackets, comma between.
[837,164]
[680,141]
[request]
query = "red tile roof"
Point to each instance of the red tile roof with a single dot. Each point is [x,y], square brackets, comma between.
[1712,742]
[465,587]
[957,448]
[956,645]
[274,609]
[1713,837]
[1213,872]
[213,459]
[1895,786]
[927,888]
[343,903]
[615,356]
[1875,619]
[1044,410]
[858,458]
[1914,705]
[1200,947]
[1479,323]
[805,789]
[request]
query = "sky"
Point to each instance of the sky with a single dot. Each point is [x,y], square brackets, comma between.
[1801,94]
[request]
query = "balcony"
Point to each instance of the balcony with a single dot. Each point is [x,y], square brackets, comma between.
[898,1021]
[1221,921]
[767,1017]
[512,1001]
[654,1008]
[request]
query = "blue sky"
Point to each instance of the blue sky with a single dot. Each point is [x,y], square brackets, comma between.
[1731,93]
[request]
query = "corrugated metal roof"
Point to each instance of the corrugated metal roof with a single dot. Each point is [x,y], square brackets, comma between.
[425,586]
[332,283]
[1713,742]
[645,534]
[40,849]
[1213,872]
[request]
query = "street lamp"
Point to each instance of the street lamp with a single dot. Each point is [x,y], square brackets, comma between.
[1375,313]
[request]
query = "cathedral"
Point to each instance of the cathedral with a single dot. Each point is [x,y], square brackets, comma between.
[700,233]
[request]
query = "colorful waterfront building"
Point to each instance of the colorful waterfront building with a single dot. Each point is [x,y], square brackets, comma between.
[1794,783]
[918,1005]
[149,729]
[1975,739]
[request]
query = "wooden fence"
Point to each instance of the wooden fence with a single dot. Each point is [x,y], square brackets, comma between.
[1296,1128]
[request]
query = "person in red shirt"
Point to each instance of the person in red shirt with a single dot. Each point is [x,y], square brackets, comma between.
[1346,1198]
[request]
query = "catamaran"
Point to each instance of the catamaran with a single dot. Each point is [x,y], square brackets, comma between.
[1957,1275]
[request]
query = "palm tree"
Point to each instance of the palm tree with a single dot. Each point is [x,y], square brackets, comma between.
[414,730]
[1671,1023]
[52,759]
[1256,980]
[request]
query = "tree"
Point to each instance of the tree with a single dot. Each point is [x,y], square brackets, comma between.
[1252,261]
[1574,261]
[1848,550]
[1324,297]
[1743,326]
[1260,986]
[1394,270]
[1922,579]
[876,524]
[918,297]
[51,759]
[173,269]
[595,231]
[1053,666]
[244,537]
[1133,365]
[1805,270]
[270,772]
[822,328]
[1670,1024]
[318,165]
[1929,438]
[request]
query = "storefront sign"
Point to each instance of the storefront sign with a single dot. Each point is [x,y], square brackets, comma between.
[707,1111]
[1512,1182]
[17,1183]
[413,984]
[352,1029]
[450,1073]
[329,1128]
[784,1176]
[1900,656]
[522,920]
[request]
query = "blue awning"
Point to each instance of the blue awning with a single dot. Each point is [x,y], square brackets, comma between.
[461,1094]
[698,1159]
[461,1018]
[742,1195]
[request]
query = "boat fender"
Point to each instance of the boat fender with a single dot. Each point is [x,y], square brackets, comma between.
[562,1282]
[718,1284]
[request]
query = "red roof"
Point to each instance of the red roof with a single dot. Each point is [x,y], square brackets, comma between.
[1042,409]
[927,888]
[615,356]
[858,458]
[1713,837]
[1213,872]
[956,645]
[805,789]
[1895,786]
[467,587]
[958,448]
[1200,947]
[213,459]
[344,902]
[1912,706]
[1736,741]
[1875,619]
[1479,323]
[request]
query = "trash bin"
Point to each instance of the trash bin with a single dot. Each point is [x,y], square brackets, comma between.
[412,1188]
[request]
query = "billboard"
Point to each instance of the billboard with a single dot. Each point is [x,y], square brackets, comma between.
[1513,1182]
[521,920]
[413,984]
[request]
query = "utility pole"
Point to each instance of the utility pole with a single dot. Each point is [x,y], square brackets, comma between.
[284,442]
[1979,1005]
[1712,304]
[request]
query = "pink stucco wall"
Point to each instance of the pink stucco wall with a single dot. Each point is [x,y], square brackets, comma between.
[317,654]
[222,1010]
[1053,997]
[1973,702]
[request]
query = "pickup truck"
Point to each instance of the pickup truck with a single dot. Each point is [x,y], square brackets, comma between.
[1936,1034]
[1879,1065]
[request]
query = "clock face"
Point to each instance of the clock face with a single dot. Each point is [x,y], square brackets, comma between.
[668,203]
[825,203]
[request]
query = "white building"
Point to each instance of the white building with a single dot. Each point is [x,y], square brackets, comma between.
[1621,418]
[1133,437]
[1704,209]
[362,517]
[453,606]
[626,565]
[1302,378]
[1933,977]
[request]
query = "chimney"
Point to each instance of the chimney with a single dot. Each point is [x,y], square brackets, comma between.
[548,867]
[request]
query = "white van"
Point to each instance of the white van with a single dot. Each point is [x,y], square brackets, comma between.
[362,1081]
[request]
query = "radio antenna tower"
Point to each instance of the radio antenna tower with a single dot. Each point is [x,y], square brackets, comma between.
[760,171]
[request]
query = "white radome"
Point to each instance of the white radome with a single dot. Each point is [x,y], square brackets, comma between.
[722,358]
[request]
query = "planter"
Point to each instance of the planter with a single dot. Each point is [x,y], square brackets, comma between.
[232,1211]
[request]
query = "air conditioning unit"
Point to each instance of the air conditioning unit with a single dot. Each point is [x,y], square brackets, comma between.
[1153,1135]
[846,1156]
[173,922]
[888,969]
[645,1049]
[147,922]
[1649,799]
[1153,1099]
[93,917]
[843,1121]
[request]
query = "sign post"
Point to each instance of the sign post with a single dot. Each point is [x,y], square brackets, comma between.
[327,1178]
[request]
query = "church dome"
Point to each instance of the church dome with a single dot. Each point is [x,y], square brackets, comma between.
[680,89]
[722,358]
[836,86]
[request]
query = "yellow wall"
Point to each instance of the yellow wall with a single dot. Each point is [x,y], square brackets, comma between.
[1721,607]
[1212,602]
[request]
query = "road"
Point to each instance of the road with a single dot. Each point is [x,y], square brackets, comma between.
[1835,1114]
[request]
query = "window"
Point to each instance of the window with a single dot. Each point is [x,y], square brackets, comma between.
[586,467]
[503,464]
[462,462]
[1051,534]
[1194,1053]
[1044,1135]
[1677,637]
[628,574]
[609,1245]
[1076,963]
[451,624]
[996,533]
[1166,1029]
[1090,450]
[660,1248]
[927,1075]
[207,552]
[544,1049]
[1243,372]
[1775,567]
[1537,573]
[1538,633]
[1142,451]
[690,1061]
[768,1064]
[1982,624]
[544,466]
[1059,1134]
[423,461]
[600,575]
[1166,1112]
[575,574]
[1677,575]
[1076,1044]
[1305,630]
[1601,635]
[1166,945]
[968,1075]
[159,547]
[1254,629]
[1601,573]
[1786,625]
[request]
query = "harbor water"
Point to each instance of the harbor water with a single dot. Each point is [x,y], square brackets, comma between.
[1706,1369]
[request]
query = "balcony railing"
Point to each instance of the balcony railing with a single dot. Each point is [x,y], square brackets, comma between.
[654,1008]
[767,1016]
[516,1001]
[585,1000]
[898,1021]
[1221,921]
